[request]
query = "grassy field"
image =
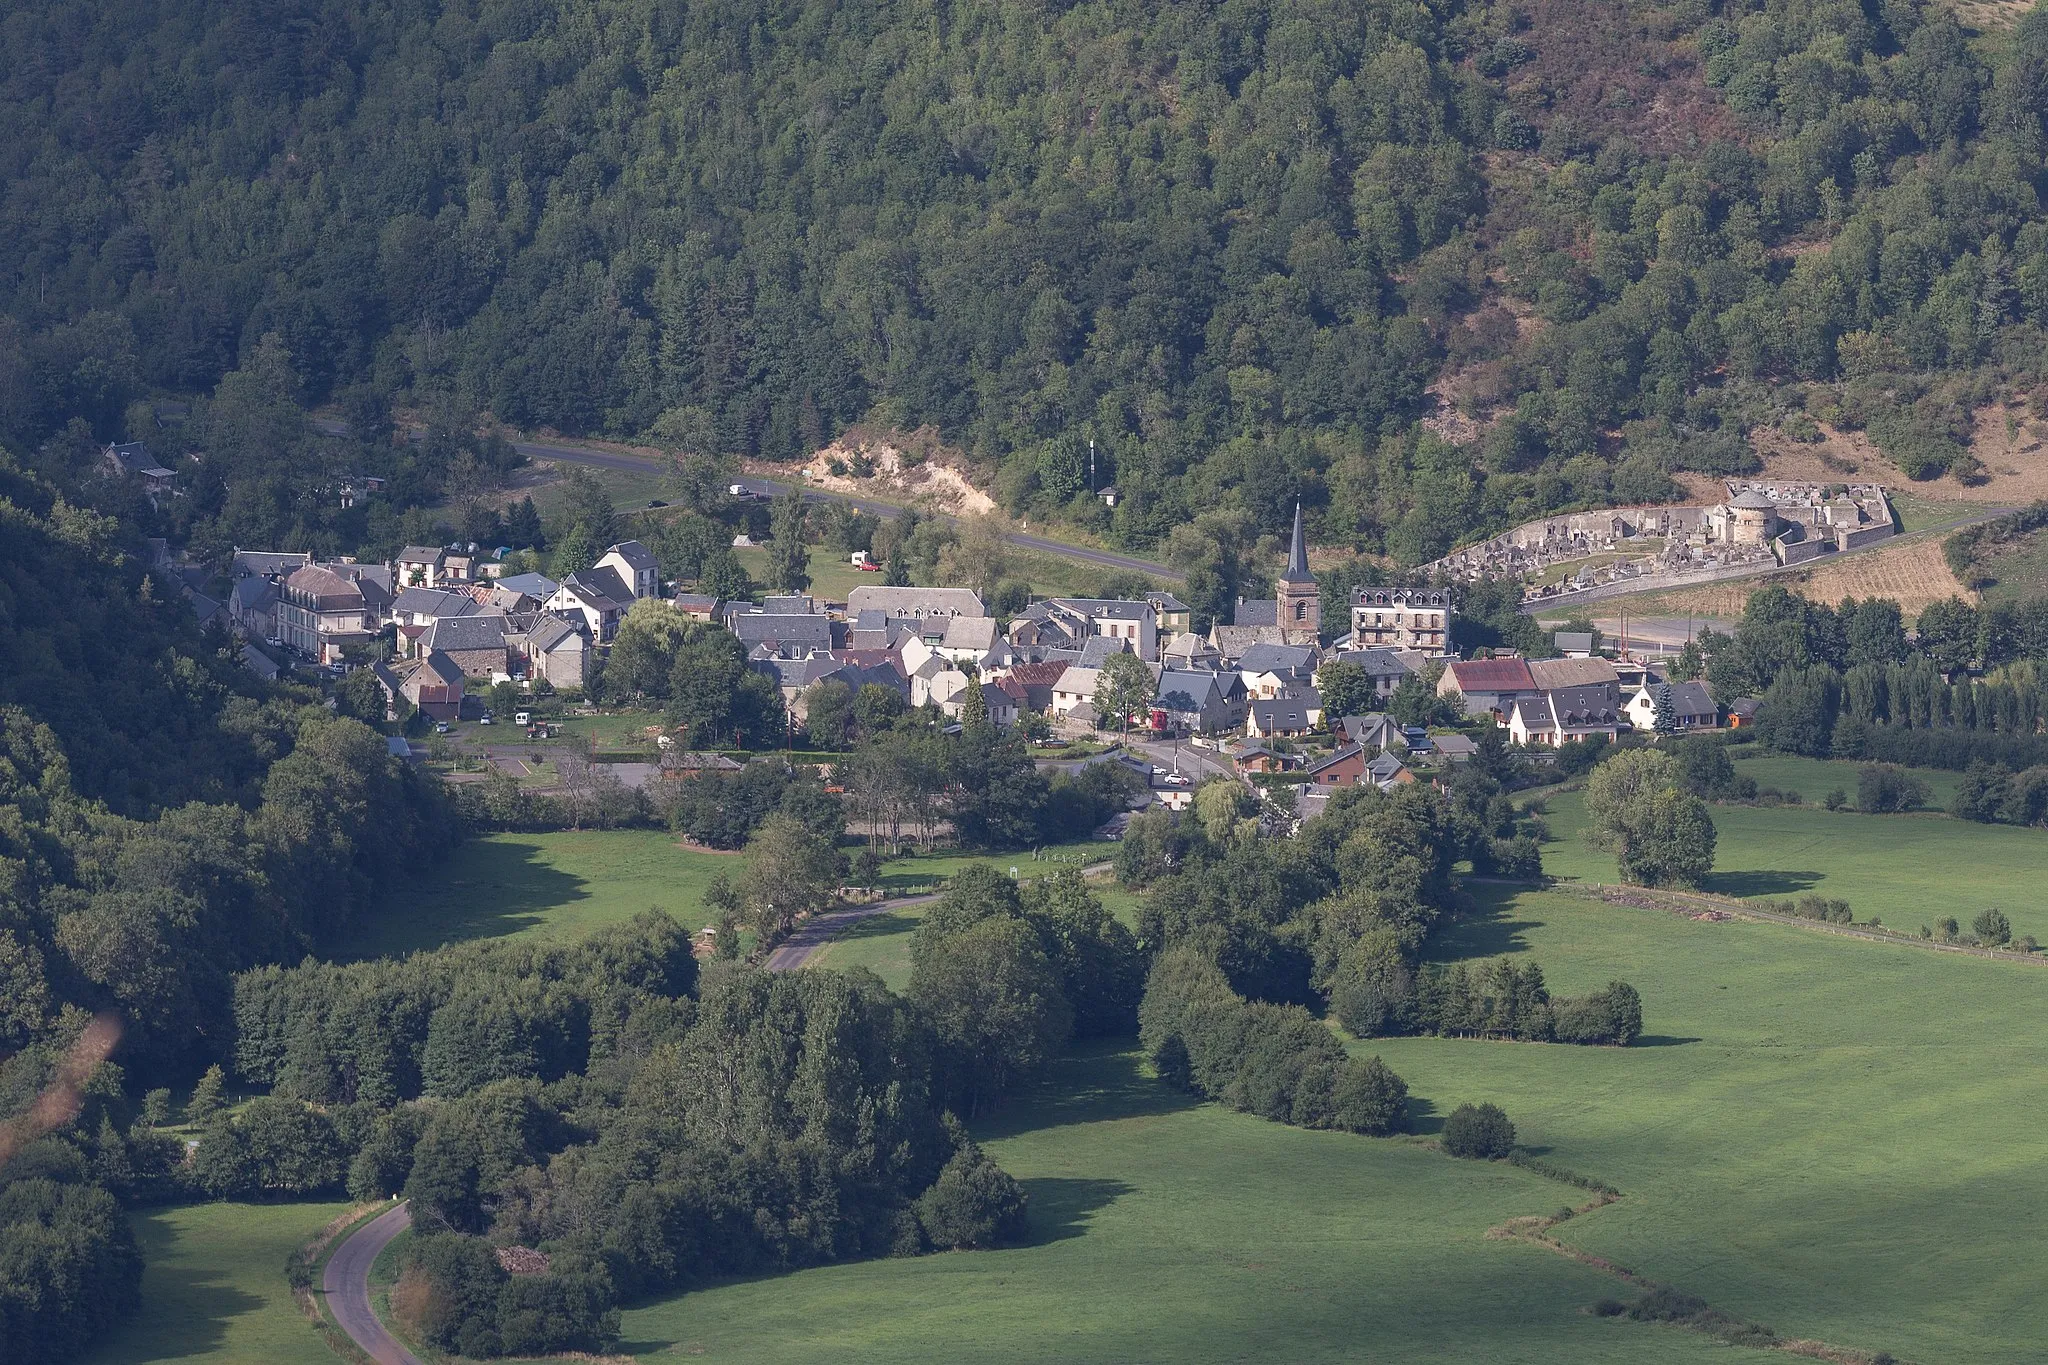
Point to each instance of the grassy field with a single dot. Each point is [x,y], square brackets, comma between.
[2021,569]
[567,883]
[501,885]
[1169,1231]
[1840,1139]
[213,1287]
[1831,1137]
[1908,869]
[1813,778]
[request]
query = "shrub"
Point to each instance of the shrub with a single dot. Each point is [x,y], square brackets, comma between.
[973,1203]
[1478,1132]
[1883,787]
[1992,927]
[1835,799]
[1613,1015]
[1947,929]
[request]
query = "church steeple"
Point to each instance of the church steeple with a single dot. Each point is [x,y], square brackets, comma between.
[1300,604]
[1297,555]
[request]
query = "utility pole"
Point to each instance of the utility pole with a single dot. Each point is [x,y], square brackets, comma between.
[1091,464]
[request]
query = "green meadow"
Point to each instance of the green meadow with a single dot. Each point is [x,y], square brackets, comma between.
[213,1287]
[561,883]
[1814,778]
[1838,1138]
[568,883]
[1169,1231]
[1908,870]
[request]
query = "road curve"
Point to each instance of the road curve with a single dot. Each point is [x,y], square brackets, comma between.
[346,1284]
[800,947]
[640,464]
[814,934]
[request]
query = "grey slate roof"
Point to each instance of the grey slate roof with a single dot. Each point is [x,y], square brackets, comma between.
[265,563]
[635,554]
[1265,658]
[1285,713]
[1257,612]
[466,633]
[757,627]
[538,586]
[433,602]
[1377,663]
[1573,641]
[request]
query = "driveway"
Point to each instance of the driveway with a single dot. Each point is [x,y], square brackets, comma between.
[346,1283]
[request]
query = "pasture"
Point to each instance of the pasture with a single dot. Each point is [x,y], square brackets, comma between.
[1840,1139]
[1831,1137]
[561,883]
[213,1287]
[1907,869]
[1813,778]
[568,883]
[1169,1231]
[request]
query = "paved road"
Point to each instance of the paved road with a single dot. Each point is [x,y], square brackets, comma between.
[347,1286]
[814,934]
[640,464]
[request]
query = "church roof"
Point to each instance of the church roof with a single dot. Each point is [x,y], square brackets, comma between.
[1297,555]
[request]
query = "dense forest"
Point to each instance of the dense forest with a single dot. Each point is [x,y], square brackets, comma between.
[1232,243]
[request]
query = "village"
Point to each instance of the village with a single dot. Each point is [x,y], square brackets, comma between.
[442,630]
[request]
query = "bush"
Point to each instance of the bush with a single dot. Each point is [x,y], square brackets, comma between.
[1993,929]
[1882,788]
[973,1203]
[1478,1132]
[1613,1015]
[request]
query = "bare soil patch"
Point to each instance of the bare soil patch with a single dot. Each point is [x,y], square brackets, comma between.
[905,467]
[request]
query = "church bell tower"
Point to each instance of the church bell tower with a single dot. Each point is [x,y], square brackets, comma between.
[1301,602]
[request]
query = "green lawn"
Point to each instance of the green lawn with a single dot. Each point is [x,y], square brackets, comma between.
[1841,1139]
[1917,513]
[501,885]
[1813,778]
[213,1287]
[1167,1231]
[1908,869]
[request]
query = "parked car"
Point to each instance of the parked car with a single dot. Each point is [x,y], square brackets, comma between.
[483,720]
[1159,772]
[1176,779]
[522,717]
[440,727]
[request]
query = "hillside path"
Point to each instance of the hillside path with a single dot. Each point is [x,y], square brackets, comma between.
[346,1283]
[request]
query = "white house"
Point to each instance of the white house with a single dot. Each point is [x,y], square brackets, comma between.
[636,567]
[1692,705]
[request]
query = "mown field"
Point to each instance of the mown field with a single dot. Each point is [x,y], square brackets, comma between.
[1841,1139]
[1907,869]
[1834,1138]
[1166,1231]
[569,883]
[1813,778]
[213,1287]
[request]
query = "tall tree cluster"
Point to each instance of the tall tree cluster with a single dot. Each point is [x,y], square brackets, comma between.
[1224,249]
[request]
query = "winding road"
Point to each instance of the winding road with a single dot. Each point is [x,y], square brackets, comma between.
[346,1283]
[640,464]
[346,1280]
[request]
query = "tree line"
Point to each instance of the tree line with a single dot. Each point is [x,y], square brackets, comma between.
[1236,279]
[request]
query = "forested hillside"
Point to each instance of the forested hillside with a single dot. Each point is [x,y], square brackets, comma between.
[1230,242]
